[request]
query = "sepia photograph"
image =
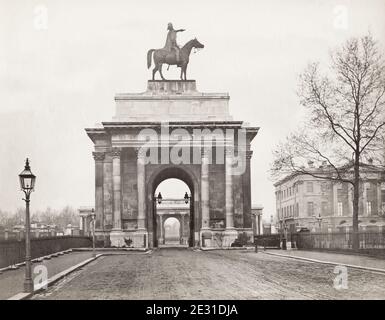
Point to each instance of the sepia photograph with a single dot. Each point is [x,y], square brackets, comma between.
[190,156]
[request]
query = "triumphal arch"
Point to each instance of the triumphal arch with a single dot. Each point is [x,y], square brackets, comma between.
[172,131]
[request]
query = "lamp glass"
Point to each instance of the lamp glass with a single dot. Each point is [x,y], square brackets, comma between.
[27,178]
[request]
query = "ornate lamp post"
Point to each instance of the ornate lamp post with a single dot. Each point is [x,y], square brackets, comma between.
[159,198]
[27,184]
[283,234]
[93,220]
[156,199]
[186,198]
[319,220]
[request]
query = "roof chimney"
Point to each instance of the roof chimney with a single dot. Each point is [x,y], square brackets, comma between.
[310,164]
[370,160]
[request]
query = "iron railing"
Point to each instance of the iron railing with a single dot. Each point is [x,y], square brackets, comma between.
[13,251]
[268,241]
[339,240]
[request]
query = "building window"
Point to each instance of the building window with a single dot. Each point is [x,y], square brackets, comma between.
[340,209]
[324,208]
[324,186]
[382,185]
[309,187]
[383,208]
[310,209]
[297,209]
[368,208]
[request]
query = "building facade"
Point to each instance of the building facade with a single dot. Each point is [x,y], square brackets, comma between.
[303,201]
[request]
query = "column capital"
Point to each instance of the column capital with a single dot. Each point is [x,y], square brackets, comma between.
[98,156]
[116,152]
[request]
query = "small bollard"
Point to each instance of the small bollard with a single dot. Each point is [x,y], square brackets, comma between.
[256,247]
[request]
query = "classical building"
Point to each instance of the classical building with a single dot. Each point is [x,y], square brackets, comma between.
[257,222]
[85,222]
[303,201]
[172,131]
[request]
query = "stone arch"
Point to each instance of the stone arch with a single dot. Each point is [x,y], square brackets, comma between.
[166,223]
[186,175]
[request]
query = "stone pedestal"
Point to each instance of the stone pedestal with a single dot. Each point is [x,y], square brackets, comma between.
[117,239]
[139,239]
[172,100]
[229,237]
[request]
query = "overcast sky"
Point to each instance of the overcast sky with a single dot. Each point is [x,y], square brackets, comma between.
[59,75]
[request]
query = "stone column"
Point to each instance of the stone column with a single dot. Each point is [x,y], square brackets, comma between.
[141,189]
[350,199]
[85,226]
[81,228]
[161,229]
[116,181]
[365,200]
[181,240]
[335,199]
[99,158]
[229,205]
[379,199]
[205,188]
[108,220]
[246,185]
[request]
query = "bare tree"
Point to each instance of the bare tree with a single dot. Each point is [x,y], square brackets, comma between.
[345,122]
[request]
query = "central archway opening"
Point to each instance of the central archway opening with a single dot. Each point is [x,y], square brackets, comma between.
[172,213]
[178,188]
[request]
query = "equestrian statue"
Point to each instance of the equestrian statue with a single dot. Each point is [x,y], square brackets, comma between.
[172,54]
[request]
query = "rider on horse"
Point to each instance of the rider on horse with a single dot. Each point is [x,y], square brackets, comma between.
[171,44]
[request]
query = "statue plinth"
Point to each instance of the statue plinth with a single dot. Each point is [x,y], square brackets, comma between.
[172,100]
[171,86]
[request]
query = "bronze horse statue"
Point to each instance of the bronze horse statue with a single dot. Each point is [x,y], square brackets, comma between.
[162,56]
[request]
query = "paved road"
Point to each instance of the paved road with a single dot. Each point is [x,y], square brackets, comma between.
[187,274]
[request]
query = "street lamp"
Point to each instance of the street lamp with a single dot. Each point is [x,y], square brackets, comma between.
[156,199]
[93,219]
[159,198]
[319,220]
[284,234]
[186,198]
[27,184]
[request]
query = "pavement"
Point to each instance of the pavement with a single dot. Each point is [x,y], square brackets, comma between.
[176,273]
[11,281]
[359,261]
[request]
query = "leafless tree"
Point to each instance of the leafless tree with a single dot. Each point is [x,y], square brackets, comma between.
[345,121]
